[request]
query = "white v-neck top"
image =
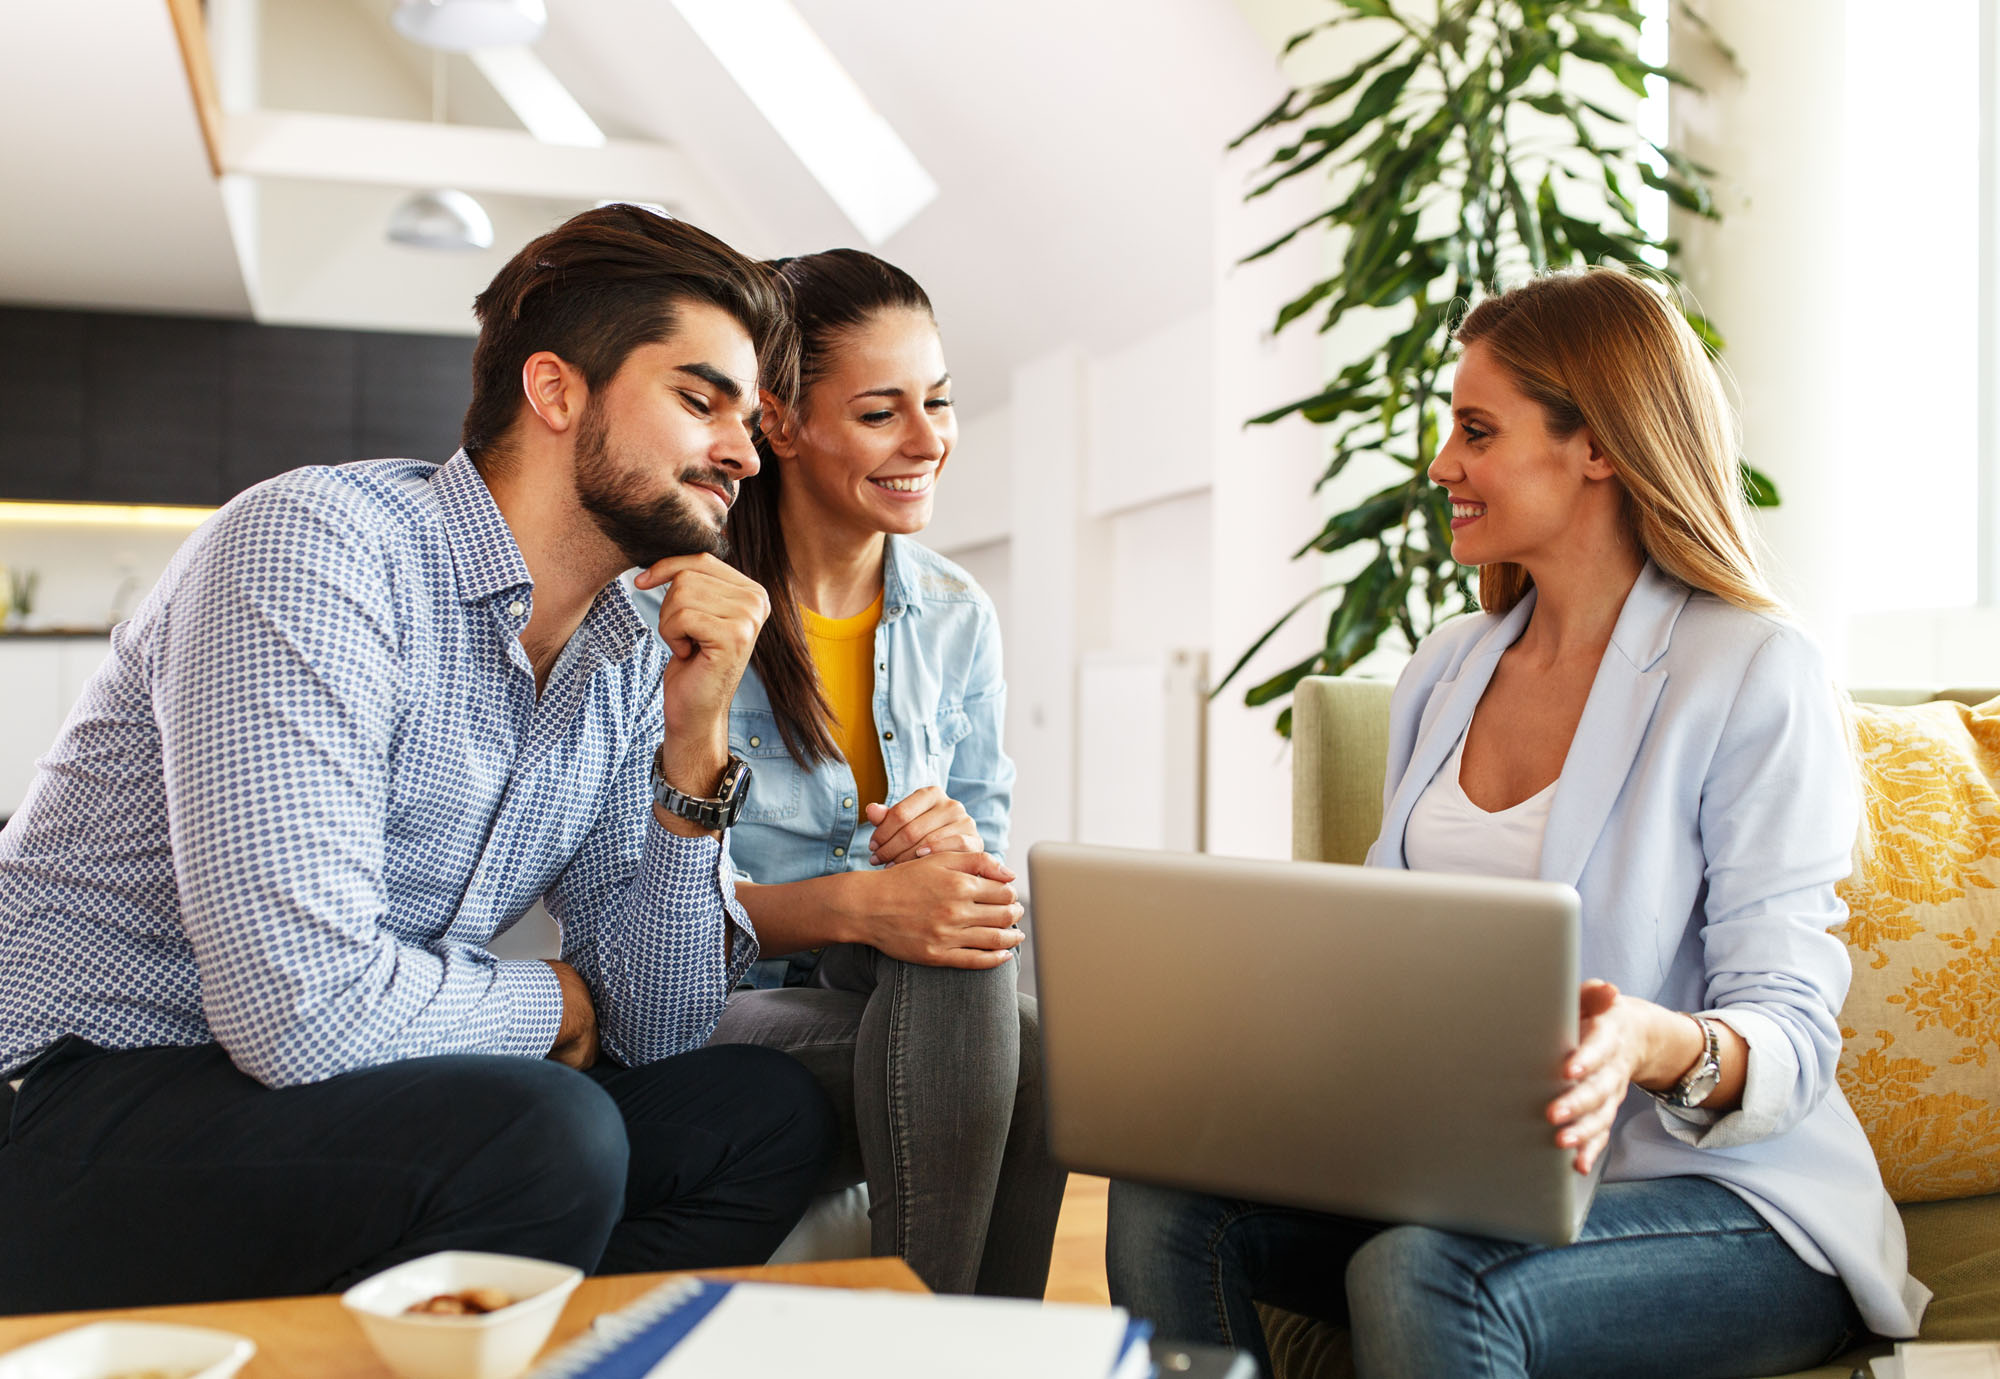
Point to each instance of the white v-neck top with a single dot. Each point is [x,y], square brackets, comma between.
[1448,832]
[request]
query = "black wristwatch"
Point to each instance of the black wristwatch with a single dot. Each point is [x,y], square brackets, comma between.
[718,813]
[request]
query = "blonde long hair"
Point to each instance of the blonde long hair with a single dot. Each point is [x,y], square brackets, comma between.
[1601,348]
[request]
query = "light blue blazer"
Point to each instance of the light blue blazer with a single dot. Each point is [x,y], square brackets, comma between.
[1705,812]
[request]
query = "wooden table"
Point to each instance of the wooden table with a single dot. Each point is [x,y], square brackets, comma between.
[314,1338]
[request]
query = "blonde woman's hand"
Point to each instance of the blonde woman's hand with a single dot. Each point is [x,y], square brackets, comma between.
[922,822]
[1613,1041]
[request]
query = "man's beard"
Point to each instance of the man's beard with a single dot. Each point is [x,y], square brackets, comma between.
[643,525]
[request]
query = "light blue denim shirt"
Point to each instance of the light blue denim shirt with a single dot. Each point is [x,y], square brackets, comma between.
[940,704]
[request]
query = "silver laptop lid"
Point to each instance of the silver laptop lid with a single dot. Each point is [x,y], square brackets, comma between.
[1372,1042]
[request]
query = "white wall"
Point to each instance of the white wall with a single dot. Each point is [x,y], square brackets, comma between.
[87,567]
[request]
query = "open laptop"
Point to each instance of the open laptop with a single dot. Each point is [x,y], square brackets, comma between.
[1376,1043]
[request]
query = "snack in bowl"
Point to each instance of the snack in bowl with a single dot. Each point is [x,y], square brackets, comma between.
[418,1318]
[467,1302]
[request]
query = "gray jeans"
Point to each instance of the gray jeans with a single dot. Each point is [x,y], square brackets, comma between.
[936,1073]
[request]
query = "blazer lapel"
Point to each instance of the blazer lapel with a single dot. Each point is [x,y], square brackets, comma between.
[1615,718]
[1447,712]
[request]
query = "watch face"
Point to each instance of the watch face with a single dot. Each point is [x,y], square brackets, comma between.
[735,790]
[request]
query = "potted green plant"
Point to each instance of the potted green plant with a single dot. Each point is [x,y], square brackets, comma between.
[1463,152]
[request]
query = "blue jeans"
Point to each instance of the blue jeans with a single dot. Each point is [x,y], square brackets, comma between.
[1676,1277]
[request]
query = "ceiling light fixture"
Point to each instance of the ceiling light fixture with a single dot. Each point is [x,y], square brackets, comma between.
[441,219]
[817,109]
[459,26]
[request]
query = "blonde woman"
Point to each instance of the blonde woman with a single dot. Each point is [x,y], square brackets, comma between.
[1632,715]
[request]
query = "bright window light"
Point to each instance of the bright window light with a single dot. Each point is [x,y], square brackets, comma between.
[538,99]
[817,109]
[102,515]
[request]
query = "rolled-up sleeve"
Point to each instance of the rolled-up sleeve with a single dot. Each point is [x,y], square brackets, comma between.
[1779,813]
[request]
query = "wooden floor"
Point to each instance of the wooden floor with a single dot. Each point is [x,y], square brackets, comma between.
[1076,1272]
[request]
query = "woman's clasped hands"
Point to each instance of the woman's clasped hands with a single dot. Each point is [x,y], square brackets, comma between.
[922,822]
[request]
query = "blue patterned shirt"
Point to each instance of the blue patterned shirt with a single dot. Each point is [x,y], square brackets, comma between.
[314,779]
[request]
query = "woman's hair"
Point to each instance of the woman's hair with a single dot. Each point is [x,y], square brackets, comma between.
[830,296]
[1601,348]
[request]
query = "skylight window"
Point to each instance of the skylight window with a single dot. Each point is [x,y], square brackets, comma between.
[537,97]
[817,109]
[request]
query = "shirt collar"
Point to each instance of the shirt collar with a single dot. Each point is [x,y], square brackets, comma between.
[902,589]
[489,561]
[483,549]
[615,625]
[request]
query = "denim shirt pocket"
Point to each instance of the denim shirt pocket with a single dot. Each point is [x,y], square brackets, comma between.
[776,782]
[941,739]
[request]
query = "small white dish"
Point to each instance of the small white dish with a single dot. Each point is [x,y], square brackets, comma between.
[102,1350]
[495,1345]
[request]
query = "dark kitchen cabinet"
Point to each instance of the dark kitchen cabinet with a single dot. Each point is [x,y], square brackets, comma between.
[41,429]
[289,400]
[152,426]
[165,409]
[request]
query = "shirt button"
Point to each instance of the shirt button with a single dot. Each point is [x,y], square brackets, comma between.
[847,803]
[756,742]
[889,736]
[517,608]
[881,665]
[840,852]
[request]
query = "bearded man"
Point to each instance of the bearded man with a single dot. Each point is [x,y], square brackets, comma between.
[252,1034]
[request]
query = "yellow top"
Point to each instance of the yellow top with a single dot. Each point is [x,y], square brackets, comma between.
[843,651]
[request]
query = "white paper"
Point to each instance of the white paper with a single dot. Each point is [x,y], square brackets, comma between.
[1940,1360]
[776,1331]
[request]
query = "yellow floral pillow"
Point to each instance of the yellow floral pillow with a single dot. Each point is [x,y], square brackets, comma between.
[1922,1020]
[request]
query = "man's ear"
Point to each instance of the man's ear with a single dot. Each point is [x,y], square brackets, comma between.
[778,424]
[554,390]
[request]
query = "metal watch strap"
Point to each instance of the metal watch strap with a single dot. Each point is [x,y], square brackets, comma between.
[1699,1081]
[718,813]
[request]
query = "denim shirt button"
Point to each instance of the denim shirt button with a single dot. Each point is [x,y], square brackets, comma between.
[756,742]
[847,803]
[840,852]
[889,736]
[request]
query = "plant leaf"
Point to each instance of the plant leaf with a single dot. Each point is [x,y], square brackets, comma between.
[1758,490]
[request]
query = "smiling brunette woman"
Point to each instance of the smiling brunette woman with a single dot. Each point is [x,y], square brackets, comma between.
[872,842]
[1630,715]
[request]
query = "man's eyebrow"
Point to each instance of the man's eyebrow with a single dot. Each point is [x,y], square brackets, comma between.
[898,392]
[716,379]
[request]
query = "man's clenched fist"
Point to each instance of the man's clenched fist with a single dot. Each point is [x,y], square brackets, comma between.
[710,616]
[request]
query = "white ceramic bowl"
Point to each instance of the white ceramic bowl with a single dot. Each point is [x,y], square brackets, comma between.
[497,1345]
[103,1349]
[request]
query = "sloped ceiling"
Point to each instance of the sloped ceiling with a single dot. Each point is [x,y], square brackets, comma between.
[1076,145]
[105,194]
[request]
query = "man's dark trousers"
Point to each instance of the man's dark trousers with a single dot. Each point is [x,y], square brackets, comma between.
[165,1175]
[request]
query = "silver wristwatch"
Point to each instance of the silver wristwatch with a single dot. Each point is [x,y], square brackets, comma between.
[718,813]
[1699,1081]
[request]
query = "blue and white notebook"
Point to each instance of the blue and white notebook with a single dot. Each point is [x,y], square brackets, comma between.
[689,1329]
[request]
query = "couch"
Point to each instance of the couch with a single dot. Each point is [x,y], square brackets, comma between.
[1950,1208]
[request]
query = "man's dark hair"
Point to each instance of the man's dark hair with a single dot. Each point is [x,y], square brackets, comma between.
[830,296]
[596,288]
